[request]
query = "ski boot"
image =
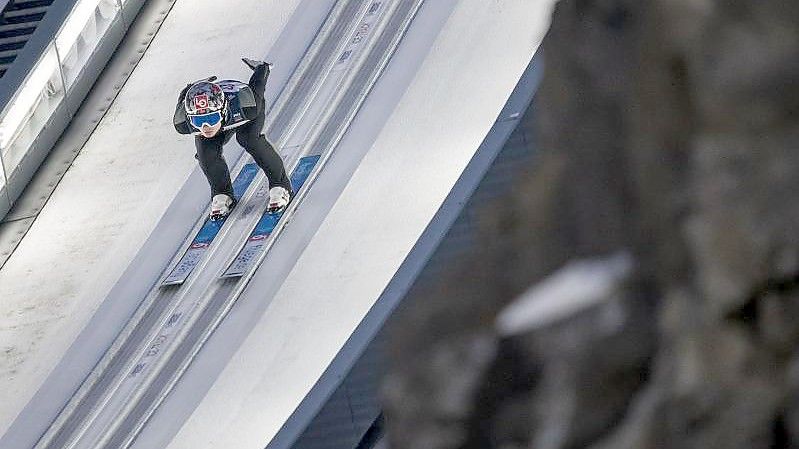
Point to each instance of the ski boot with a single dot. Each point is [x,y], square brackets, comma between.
[279,198]
[221,205]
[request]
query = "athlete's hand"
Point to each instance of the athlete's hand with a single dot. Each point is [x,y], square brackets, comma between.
[255,65]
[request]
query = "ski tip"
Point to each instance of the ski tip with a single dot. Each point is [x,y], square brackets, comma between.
[171,283]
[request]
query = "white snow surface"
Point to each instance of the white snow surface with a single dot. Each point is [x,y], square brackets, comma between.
[577,286]
[440,121]
[119,186]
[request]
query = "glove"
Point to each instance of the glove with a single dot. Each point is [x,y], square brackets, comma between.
[255,64]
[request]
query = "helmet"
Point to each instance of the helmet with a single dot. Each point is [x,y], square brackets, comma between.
[204,97]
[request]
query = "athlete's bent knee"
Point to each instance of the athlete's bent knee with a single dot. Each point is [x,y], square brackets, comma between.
[247,140]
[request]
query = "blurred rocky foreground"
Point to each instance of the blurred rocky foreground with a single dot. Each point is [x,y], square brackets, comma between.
[640,286]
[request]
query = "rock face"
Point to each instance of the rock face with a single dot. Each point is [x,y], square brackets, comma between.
[669,132]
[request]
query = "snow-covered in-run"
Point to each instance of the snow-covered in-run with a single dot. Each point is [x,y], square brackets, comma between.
[419,129]
[391,97]
[117,190]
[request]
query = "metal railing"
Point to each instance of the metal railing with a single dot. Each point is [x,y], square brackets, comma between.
[50,78]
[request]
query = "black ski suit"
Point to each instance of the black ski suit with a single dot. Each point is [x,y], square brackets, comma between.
[249,136]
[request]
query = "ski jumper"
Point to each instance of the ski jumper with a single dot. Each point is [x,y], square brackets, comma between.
[248,135]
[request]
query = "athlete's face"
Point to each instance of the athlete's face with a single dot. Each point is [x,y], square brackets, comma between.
[209,131]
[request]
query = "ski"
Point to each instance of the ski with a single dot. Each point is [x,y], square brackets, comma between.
[258,238]
[209,230]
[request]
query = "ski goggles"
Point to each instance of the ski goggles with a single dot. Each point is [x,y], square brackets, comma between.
[210,119]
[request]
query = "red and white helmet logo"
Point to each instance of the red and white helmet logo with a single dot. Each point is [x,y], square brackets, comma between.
[201,102]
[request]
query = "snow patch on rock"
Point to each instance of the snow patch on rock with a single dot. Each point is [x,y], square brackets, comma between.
[575,287]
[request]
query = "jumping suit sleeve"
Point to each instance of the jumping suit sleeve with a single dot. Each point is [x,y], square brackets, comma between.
[179,119]
[258,79]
